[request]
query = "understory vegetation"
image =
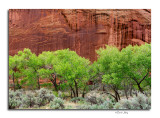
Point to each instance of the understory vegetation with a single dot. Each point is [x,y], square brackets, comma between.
[64,80]
[45,99]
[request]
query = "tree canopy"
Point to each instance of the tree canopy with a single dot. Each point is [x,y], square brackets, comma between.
[114,68]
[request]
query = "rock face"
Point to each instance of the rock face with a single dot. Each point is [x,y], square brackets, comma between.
[81,30]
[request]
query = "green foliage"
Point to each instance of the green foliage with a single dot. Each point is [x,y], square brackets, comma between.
[111,65]
[114,68]
[71,68]
[15,72]
[25,65]
[138,63]
[31,73]
[48,85]
[130,65]
[55,93]
[63,95]
[46,72]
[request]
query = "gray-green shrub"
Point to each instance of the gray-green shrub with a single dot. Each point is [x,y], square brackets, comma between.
[140,101]
[45,94]
[76,99]
[117,106]
[57,103]
[28,100]
[14,100]
[14,103]
[68,107]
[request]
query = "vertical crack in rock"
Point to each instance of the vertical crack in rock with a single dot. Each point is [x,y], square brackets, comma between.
[81,30]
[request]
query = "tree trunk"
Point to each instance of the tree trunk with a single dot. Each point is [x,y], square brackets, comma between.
[136,93]
[71,94]
[72,90]
[59,85]
[115,97]
[130,91]
[38,83]
[103,88]
[140,89]
[18,85]
[13,82]
[83,92]
[53,80]
[83,95]
[119,96]
[37,79]
[76,87]
[126,87]
[138,83]
[55,84]
[116,92]
[125,91]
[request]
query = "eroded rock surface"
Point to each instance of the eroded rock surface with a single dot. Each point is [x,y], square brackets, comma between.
[81,30]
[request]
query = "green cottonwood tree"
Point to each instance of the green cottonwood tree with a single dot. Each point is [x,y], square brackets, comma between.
[72,70]
[111,67]
[31,64]
[131,65]
[48,72]
[138,64]
[15,70]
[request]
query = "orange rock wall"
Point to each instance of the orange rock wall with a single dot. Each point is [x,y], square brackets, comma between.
[81,30]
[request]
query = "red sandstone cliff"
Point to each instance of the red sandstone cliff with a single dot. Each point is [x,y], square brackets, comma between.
[81,30]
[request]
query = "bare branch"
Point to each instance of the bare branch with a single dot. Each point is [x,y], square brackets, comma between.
[144,77]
